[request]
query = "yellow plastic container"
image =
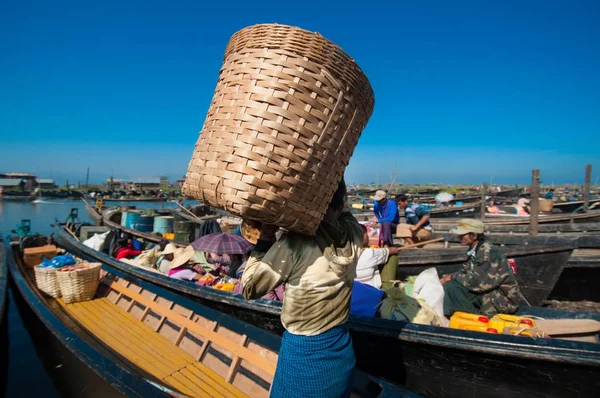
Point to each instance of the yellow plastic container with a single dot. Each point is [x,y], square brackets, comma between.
[496,324]
[170,236]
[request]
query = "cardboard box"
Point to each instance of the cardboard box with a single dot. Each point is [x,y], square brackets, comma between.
[32,256]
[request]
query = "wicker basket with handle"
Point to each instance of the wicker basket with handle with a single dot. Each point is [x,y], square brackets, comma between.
[286,115]
[79,283]
[46,281]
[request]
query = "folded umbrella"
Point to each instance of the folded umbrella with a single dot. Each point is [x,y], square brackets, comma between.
[222,243]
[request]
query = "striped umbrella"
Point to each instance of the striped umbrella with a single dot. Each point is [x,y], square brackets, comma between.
[222,243]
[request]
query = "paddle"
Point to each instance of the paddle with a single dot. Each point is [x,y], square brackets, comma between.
[421,243]
[192,214]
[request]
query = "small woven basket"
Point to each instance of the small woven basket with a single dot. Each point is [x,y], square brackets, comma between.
[287,112]
[46,281]
[80,284]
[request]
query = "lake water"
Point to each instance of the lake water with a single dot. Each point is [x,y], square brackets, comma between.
[27,376]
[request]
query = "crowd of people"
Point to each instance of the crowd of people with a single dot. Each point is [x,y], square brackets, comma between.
[324,278]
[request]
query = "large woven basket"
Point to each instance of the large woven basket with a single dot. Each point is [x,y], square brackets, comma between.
[46,281]
[286,115]
[79,285]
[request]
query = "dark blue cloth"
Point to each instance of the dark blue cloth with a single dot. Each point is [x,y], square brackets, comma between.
[386,213]
[365,299]
[549,195]
[315,366]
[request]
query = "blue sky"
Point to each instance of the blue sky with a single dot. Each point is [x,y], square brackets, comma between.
[464,91]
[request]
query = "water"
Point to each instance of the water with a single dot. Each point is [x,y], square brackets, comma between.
[27,376]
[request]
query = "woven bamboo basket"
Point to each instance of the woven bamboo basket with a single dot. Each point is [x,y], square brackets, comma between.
[46,281]
[546,205]
[286,115]
[79,285]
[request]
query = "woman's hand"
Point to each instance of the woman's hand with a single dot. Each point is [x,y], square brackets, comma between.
[445,279]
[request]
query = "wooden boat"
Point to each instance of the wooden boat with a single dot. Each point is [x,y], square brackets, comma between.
[591,216]
[18,198]
[131,199]
[481,365]
[570,207]
[508,193]
[471,210]
[148,342]
[3,281]
[3,318]
[93,213]
[580,278]
[557,228]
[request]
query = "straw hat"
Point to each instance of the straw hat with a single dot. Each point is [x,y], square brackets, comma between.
[250,231]
[380,195]
[182,256]
[169,249]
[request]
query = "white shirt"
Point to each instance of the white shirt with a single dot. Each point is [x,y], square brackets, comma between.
[164,266]
[367,269]
[523,202]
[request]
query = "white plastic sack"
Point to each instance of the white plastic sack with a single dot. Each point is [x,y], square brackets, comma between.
[96,241]
[427,286]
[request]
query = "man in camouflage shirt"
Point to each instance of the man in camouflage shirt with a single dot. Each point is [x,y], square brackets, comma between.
[485,284]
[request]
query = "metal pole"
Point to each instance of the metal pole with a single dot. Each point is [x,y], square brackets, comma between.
[483,191]
[586,187]
[534,204]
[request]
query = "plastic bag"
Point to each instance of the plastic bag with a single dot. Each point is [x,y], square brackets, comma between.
[58,261]
[96,241]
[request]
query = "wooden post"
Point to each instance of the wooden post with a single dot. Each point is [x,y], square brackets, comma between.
[483,192]
[534,204]
[586,187]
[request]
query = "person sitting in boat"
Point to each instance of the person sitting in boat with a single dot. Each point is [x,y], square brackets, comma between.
[493,208]
[549,194]
[388,218]
[371,261]
[179,267]
[417,227]
[485,284]
[316,352]
[165,258]
[522,206]
[125,249]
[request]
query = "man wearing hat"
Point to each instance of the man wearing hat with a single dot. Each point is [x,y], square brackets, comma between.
[485,284]
[388,218]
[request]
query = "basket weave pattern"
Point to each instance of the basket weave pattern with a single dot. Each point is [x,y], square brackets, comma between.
[287,112]
[46,281]
[79,285]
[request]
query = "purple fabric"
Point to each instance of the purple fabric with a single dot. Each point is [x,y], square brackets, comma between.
[385,233]
[276,295]
[221,243]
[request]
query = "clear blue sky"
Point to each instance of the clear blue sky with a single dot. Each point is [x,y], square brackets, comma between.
[464,91]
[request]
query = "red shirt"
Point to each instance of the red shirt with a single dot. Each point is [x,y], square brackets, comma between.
[126,252]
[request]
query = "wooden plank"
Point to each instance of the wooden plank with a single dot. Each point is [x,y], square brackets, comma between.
[165,360]
[201,370]
[140,358]
[586,187]
[204,383]
[483,192]
[534,203]
[196,390]
[257,360]
[206,343]
[148,337]
[235,362]
[172,382]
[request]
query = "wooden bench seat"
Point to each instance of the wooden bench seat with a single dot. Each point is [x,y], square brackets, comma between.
[153,353]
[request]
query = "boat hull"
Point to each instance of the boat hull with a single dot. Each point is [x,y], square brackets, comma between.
[422,356]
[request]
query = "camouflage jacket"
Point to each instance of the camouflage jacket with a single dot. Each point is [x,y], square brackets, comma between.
[487,272]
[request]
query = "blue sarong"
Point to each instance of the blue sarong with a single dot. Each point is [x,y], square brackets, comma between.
[315,366]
